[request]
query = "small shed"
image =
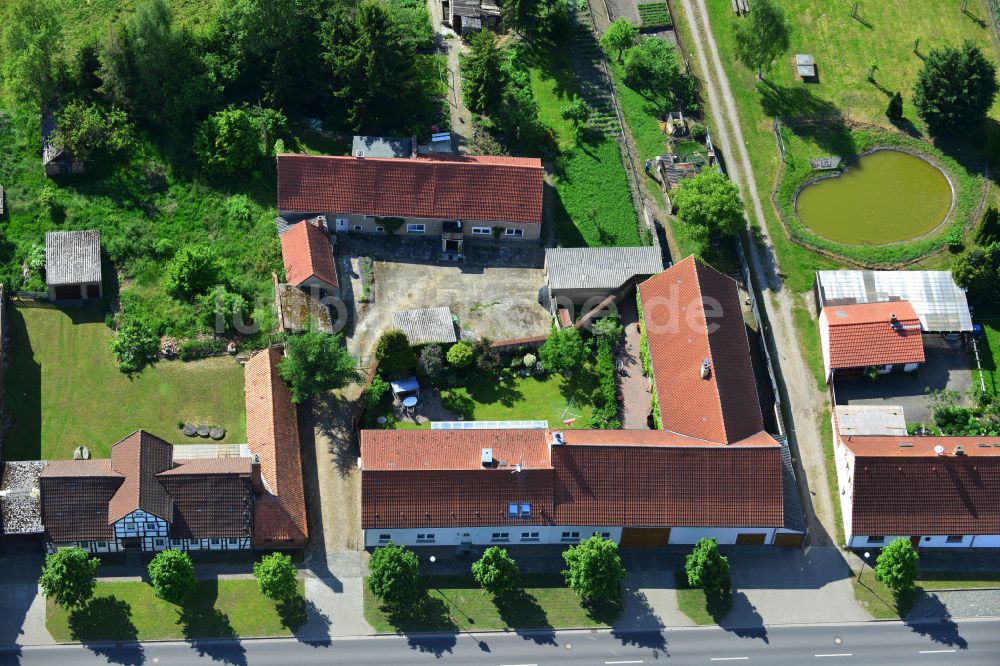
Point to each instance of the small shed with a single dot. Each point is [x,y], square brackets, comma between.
[73,265]
[299,312]
[805,66]
[426,326]
[56,160]
[579,275]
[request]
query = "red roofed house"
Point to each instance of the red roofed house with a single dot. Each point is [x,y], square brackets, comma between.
[711,472]
[273,435]
[147,498]
[308,257]
[454,197]
[884,336]
[939,492]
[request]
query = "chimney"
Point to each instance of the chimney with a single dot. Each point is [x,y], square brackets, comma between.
[959,450]
[557,439]
[487,458]
[255,479]
[413,148]
[706,368]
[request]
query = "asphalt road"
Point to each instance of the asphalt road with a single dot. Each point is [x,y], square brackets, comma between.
[948,642]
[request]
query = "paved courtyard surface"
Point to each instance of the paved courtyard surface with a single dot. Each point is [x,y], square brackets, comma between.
[633,385]
[946,369]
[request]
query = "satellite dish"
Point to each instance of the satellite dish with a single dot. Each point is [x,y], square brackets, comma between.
[939,450]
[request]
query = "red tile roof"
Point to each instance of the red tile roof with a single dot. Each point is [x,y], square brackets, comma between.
[488,190]
[396,450]
[655,438]
[913,491]
[864,335]
[139,458]
[668,486]
[307,253]
[75,495]
[692,312]
[273,435]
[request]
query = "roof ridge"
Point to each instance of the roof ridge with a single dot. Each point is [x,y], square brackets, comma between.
[711,352]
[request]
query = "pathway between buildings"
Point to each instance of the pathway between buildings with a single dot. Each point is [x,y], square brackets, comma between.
[807,404]
[632,385]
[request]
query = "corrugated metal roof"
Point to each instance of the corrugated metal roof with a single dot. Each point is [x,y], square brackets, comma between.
[599,267]
[72,257]
[382,146]
[940,304]
[425,326]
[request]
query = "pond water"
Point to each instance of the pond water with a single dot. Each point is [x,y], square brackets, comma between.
[882,197]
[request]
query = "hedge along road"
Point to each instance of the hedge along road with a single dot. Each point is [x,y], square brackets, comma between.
[807,404]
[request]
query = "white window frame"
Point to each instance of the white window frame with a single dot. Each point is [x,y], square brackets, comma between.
[500,537]
[482,231]
[416,228]
[384,538]
[426,538]
[530,536]
[526,509]
[513,232]
[570,536]
[512,509]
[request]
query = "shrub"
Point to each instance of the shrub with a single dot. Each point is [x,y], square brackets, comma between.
[171,573]
[988,230]
[699,132]
[896,565]
[487,359]
[431,362]
[530,360]
[376,390]
[223,310]
[594,570]
[193,348]
[391,224]
[459,402]
[460,355]
[395,575]
[895,109]
[134,345]
[563,351]
[496,571]
[394,355]
[707,568]
[314,363]
[192,271]
[276,576]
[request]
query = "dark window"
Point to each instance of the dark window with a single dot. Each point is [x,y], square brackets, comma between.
[954,538]
[876,539]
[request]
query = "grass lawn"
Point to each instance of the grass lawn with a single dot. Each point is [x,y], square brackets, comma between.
[699,608]
[989,352]
[594,206]
[879,600]
[824,424]
[551,397]
[130,611]
[90,19]
[64,389]
[457,603]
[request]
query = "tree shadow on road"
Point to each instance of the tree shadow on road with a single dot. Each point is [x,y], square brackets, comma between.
[935,622]
[744,620]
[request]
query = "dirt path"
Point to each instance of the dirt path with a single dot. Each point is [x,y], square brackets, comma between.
[451,45]
[806,403]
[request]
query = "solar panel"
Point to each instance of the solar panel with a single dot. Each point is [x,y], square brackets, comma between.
[489,425]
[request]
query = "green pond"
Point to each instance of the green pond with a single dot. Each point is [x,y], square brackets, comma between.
[882,197]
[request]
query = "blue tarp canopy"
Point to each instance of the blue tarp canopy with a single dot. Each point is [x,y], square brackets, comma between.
[402,388]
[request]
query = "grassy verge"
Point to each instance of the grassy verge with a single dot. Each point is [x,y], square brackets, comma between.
[989,352]
[457,603]
[880,601]
[64,389]
[812,349]
[826,433]
[594,206]
[130,611]
[698,606]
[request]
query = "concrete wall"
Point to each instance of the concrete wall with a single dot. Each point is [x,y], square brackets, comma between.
[369,225]
[724,535]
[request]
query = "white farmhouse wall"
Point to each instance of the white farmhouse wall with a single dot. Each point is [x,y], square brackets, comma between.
[824,337]
[485,536]
[986,541]
[724,535]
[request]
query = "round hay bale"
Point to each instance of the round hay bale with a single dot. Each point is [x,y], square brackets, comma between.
[216,433]
[203,431]
[190,430]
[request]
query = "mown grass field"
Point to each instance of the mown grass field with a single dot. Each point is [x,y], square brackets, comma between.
[130,611]
[594,206]
[458,603]
[64,389]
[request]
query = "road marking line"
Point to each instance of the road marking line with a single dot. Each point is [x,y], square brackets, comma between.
[839,654]
[729,658]
[634,661]
[935,651]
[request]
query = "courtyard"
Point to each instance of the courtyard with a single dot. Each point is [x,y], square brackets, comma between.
[947,369]
[64,388]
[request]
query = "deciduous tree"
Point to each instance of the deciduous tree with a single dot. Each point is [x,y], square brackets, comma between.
[69,576]
[707,568]
[578,113]
[620,35]
[709,205]
[496,571]
[563,351]
[432,362]
[171,573]
[896,565]
[277,577]
[652,68]
[87,129]
[955,88]
[594,570]
[30,38]
[762,37]
[314,363]
[192,271]
[394,575]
